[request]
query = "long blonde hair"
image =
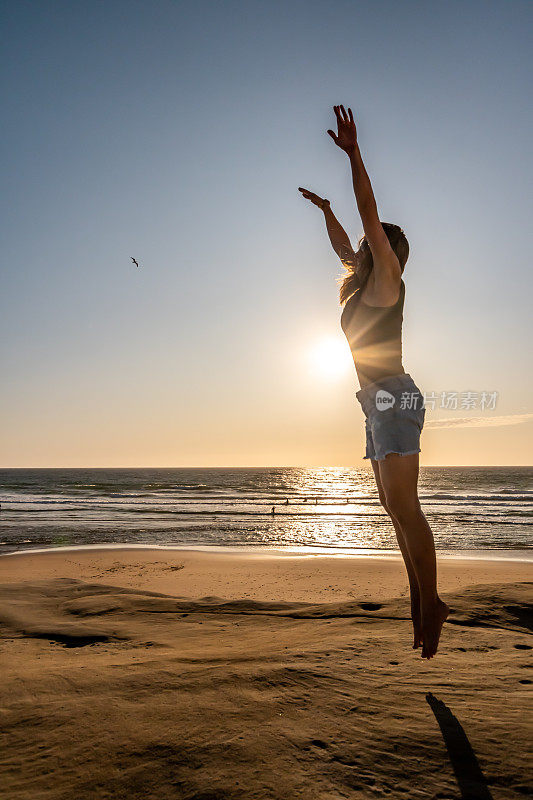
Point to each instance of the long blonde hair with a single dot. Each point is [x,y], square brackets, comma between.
[359,264]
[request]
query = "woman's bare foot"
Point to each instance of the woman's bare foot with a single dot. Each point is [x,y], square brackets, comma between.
[433,618]
[417,619]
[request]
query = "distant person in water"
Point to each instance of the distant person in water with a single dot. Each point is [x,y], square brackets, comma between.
[372,293]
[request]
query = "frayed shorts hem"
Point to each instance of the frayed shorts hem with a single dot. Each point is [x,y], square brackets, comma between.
[390,452]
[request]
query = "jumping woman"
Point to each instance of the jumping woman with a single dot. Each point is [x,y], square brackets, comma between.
[372,293]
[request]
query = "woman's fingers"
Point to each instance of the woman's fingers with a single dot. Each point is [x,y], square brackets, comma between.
[333,136]
[314,198]
[343,116]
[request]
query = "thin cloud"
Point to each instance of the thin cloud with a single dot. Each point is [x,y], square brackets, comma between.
[480,422]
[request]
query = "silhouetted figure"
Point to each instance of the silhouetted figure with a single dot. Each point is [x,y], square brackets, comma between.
[372,295]
[135,262]
[273,510]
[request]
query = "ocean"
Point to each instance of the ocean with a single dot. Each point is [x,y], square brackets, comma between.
[469,508]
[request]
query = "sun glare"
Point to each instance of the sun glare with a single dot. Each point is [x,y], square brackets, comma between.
[330,358]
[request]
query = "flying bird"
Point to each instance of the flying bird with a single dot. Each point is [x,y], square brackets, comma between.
[135,262]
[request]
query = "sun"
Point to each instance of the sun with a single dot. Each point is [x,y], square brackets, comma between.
[330,358]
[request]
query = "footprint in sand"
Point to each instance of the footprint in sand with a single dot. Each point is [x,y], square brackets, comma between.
[319,743]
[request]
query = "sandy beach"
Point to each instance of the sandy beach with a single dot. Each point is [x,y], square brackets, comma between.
[186,674]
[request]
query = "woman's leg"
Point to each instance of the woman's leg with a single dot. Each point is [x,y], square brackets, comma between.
[399,480]
[414,589]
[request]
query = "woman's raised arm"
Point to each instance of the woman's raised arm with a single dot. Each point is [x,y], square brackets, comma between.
[386,265]
[338,237]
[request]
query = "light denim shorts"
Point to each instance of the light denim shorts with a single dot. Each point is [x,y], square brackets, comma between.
[394,411]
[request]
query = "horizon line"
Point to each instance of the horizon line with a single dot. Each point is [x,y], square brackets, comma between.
[275,466]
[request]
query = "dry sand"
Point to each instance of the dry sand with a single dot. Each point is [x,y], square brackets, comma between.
[183,674]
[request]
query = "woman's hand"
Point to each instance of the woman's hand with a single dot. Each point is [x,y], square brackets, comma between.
[321,202]
[337,235]
[346,137]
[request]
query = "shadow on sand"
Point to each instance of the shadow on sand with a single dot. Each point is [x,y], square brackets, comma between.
[471,781]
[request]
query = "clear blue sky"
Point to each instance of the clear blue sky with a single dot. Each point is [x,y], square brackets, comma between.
[178,133]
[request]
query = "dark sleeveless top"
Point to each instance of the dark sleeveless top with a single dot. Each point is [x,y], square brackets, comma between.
[374,334]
